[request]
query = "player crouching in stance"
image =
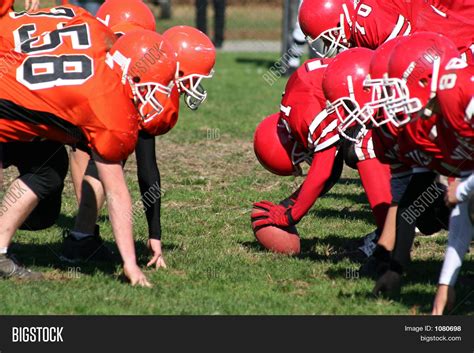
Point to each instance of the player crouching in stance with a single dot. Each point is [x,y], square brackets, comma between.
[455,100]
[195,56]
[64,92]
[428,95]
[318,98]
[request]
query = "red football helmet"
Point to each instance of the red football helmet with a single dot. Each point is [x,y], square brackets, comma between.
[196,57]
[386,100]
[413,69]
[148,63]
[327,23]
[115,13]
[275,148]
[343,87]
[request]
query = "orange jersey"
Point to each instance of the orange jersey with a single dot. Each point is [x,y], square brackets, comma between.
[61,88]
[20,26]
[168,117]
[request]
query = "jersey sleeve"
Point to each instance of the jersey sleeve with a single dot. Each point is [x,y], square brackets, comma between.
[150,183]
[168,118]
[113,133]
[319,173]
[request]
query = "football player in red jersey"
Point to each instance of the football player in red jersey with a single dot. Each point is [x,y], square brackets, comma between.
[455,103]
[306,131]
[33,108]
[369,23]
[438,95]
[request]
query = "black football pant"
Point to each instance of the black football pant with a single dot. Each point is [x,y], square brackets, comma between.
[42,167]
[422,205]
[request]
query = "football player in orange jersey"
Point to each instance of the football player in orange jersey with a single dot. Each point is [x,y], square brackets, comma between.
[189,43]
[60,88]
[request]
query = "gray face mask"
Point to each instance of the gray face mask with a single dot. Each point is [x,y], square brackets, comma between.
[193,103]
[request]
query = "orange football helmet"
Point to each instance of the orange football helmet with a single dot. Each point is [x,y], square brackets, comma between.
[196,56]
[148,64]
[5,6]
[114,13]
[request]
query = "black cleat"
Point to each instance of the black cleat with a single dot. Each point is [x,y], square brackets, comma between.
[91,248]
[368,244]
[377,264]
[388,285]
[11,269]
[373,268]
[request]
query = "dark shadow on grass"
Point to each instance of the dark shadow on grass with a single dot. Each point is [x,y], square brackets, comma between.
[265,63]
[424,272]
[345,213]
[339,248]
[350,198]
[350,181]
[67,222]
[48,255]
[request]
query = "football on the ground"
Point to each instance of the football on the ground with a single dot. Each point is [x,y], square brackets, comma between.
[283,240]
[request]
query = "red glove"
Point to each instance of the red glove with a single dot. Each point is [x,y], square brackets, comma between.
[271,214]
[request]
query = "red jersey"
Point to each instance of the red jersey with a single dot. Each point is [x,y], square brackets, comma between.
[451,24]
[61,88]
[303,107]
[464,8]
[376,22]
[456,126]
[419,144]
[387,151]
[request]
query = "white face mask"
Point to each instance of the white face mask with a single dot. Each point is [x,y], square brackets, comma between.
[195,94]
[145,97]
[393,97]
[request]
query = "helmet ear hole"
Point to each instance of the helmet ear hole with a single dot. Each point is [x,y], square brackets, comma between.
[136,79]
[180,73]
[423,82]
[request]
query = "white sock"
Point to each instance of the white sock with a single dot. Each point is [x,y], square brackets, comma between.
[79,235]
[3,251]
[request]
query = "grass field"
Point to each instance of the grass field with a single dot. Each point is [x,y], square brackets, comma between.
[260,21]
[210,179]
